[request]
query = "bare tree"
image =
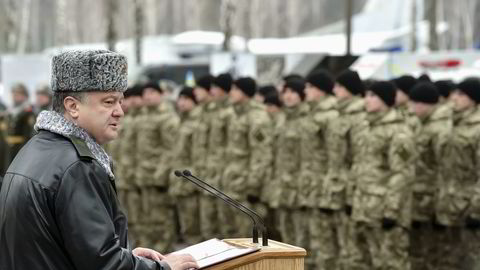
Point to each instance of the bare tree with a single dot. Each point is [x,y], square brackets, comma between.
[228,10]
[24,27]
[413,22]
[431,14]
[12,25]
[138,30]
[111,10]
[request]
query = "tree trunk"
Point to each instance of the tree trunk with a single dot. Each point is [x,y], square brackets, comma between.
[227,13]
[413,22]
[138,30]
[431,9]
[111,11]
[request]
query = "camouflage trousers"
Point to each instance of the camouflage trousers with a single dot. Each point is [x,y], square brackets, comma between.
[228,227]
[156,227]
[294,226]
[208,216]
[349,253]
[422,246]
[471,249]
[328,234]
[382,249]
[132,207]
[272,224]
[189,218]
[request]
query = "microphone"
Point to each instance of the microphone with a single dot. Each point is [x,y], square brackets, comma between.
[219,194]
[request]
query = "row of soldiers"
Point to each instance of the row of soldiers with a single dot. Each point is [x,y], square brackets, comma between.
[16,123]
[364,175]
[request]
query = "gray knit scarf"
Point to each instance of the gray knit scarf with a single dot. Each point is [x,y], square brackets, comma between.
[56,123]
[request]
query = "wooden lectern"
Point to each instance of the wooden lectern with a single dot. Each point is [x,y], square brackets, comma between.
[277,256]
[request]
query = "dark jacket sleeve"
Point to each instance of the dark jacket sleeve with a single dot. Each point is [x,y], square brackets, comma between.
[83,209]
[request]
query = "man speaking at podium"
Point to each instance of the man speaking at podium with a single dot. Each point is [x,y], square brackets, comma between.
[58,204]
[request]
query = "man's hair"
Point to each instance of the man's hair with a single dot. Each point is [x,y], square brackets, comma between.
[59,97]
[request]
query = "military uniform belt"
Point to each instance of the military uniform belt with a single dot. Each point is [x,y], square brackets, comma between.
[15,140]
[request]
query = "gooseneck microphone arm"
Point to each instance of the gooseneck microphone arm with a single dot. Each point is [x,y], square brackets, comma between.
[225,198]
[252,214]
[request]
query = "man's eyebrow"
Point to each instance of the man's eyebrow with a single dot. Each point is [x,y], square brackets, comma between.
[116,97]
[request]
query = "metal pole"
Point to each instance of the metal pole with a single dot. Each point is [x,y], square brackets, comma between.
[349,8]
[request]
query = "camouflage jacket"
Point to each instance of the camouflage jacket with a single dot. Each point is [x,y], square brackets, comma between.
[431,139]
[352,115]
[287,145]
[113,150]
[127,162]
[384,185]
[157,132]
[458,195]
[249,134]
[215,119]
[409,117]
[320,147]
[187,154]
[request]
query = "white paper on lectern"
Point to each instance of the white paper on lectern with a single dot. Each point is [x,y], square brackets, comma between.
[214,251]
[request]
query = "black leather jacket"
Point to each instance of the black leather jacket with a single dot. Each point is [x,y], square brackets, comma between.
[58,210]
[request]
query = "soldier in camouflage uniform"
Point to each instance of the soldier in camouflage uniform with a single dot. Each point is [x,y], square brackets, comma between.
[458,203]
[445,88]
[249,134]
[20,121]
[274,108]
[187,156]
[349,90]
[320,189]
[404,84]
[273,105]
[382,197]
[157,133]
[292,218]
[127,161]
[431,140]
[113,150]
[211,143]
[43,99]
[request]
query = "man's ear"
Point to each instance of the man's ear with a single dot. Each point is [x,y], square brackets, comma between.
[71,107]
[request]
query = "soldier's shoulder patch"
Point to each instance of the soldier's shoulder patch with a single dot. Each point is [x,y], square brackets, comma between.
[259,136]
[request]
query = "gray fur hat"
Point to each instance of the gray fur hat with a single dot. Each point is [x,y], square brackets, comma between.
[89,70]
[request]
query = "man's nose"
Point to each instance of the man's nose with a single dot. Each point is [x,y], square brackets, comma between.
[118,111]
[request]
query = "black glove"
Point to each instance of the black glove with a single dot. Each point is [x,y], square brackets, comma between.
[437,226]
[348,210]
[472,223]
[253,199]
[326,211]
[388,223]
[416,224]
